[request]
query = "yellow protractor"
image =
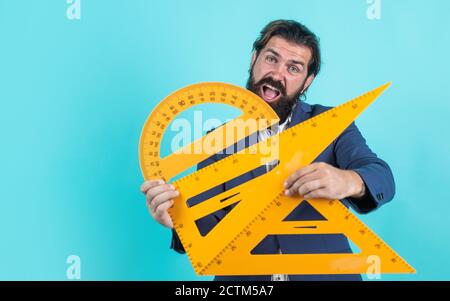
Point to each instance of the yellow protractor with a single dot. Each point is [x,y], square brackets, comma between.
[261,206]
[155,167]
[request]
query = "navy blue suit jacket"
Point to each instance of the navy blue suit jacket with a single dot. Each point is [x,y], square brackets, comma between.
[349,151]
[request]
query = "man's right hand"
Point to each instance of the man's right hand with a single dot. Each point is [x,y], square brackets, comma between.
[159,199]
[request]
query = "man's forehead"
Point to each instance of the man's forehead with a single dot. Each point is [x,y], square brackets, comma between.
[288,50]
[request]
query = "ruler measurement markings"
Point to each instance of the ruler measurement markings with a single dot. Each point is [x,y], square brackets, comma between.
[216,167]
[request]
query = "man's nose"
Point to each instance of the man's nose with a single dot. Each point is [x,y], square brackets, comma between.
[277,74]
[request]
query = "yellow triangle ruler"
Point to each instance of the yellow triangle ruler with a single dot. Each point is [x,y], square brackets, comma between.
[261,205]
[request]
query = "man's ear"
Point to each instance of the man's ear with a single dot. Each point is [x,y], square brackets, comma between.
[308,82]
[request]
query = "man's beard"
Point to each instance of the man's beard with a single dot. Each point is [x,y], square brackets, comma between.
[283,107]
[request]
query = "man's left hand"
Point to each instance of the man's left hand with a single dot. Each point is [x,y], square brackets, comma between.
[323,181]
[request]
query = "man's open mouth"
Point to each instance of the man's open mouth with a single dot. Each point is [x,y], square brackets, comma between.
[269,93]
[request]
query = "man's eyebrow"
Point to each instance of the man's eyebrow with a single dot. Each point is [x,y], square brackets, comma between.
[291,61]
[297,62]
[273,51]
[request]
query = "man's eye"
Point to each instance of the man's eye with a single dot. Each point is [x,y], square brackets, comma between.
[294,69]
[270,59]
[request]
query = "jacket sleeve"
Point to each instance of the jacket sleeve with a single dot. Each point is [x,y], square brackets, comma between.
[352,153]
[206,223]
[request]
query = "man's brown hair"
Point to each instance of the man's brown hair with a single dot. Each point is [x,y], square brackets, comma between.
[291,31]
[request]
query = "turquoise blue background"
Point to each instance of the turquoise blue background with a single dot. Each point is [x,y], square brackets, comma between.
[75,94]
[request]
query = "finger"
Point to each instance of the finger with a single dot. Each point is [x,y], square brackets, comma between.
[162,198]
[305,179]
[298,174]
[309,187]
[162,209]
[321,193]
[149,184]
[154,191]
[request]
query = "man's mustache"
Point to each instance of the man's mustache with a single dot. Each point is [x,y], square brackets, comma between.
[270,81]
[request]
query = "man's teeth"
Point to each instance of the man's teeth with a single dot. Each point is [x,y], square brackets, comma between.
[272,88]
[270,93]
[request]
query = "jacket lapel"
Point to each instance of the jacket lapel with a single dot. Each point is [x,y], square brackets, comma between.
[301,113]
